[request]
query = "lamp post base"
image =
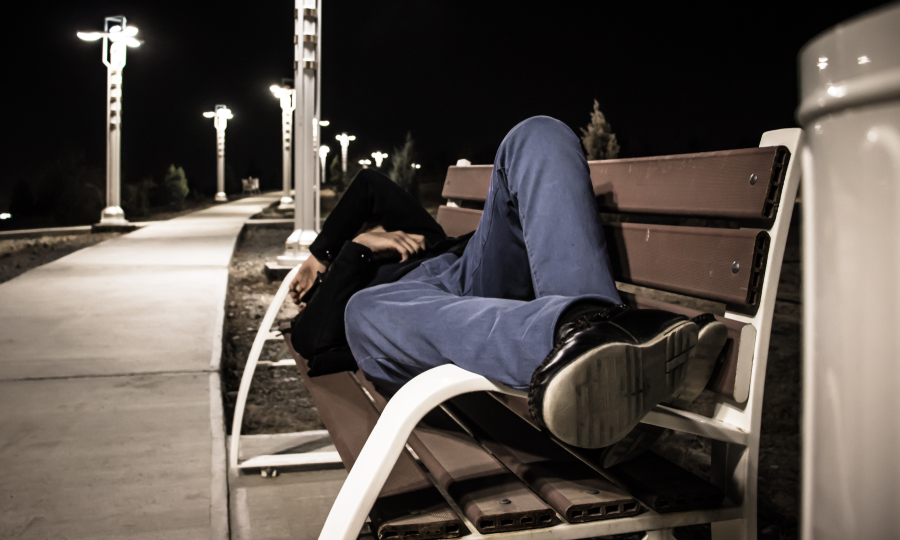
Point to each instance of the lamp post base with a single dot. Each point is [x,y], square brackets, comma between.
[296,248]
[287,203]
[221,197]
[113,215]
[112,219]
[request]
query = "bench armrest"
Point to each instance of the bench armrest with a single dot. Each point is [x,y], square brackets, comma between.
[401,415]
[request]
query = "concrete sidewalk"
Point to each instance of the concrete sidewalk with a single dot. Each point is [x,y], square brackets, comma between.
[110,411]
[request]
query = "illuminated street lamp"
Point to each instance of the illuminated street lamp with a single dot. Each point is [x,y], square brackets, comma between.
[379,157]
[307,82]
[287,96]
[415,166]
[323,154]
[345,143]
[365,163]
[220,119]
[117,36]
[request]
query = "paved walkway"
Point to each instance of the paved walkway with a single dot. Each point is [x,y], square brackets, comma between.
[110,411]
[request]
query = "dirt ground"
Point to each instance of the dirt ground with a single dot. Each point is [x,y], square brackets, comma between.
[279,402]
[20,255]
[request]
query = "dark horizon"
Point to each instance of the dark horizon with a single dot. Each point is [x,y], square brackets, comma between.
[670,79]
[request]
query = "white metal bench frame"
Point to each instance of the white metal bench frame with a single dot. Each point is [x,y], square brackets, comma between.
[734,427]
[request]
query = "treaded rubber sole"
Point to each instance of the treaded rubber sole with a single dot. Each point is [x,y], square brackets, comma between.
[602,395]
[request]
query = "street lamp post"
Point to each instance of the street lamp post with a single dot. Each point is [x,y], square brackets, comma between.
[287,96]
[379,157]
[117,36]
[323,153]
[345,143]
[220,119]
[307,69]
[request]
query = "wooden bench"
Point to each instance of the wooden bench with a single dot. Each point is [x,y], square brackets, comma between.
[710,226]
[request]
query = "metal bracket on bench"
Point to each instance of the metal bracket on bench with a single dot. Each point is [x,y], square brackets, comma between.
[262,335]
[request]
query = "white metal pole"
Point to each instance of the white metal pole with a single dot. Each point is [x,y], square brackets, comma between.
[220,165]
[306,69]
[850,108]
[318,116]
[288,100]
[220,118]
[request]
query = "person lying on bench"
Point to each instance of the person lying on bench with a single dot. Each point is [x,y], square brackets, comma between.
[528,300]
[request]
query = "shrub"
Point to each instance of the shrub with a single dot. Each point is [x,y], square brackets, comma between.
[136,197]
[176,186]
[598,139]
[402,172]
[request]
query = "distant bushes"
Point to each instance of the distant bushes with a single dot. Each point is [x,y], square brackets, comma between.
[176,186]
[139,197]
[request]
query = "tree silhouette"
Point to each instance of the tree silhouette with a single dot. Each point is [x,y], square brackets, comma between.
[598,139]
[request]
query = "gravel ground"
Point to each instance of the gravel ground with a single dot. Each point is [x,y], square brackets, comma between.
[279,402]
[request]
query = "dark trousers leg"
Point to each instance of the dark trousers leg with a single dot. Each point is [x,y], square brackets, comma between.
[538,248]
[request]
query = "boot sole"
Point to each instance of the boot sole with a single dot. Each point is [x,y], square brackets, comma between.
[710,342]
[603,394]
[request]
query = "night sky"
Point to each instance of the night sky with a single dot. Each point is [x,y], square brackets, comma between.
[671,78]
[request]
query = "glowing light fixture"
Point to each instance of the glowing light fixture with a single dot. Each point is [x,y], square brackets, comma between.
[365,163]
[117,36]
[287,97]
[324,123]
[5,215]
[345,143]
[863,60]
[823,62]
[415,166]
[220,120]
[379,157]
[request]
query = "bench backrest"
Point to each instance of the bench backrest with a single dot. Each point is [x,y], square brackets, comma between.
[710,225]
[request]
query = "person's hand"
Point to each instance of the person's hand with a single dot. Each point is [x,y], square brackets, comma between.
[391,243]
[305,278]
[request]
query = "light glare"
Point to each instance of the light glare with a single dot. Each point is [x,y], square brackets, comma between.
[5,215]
[823,62]
[837,91]
[324,123]
[89,36]
[863,60]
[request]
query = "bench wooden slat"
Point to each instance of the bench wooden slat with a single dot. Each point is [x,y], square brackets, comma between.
[474,479]
[726,265]
[576,491]
[708,184]
[656,482]
[458,221]
[350,417]
[696,261]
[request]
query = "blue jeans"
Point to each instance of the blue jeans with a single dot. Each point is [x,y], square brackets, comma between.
[538,248]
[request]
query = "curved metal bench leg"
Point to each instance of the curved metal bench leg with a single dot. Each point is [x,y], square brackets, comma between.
[388,439]
[261,336]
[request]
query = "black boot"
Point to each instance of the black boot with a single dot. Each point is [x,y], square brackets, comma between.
[607,371]
[691,380]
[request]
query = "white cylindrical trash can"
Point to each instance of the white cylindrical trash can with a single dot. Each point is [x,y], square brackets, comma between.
[850,109]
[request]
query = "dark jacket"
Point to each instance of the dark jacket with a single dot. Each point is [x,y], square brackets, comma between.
[318,331]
